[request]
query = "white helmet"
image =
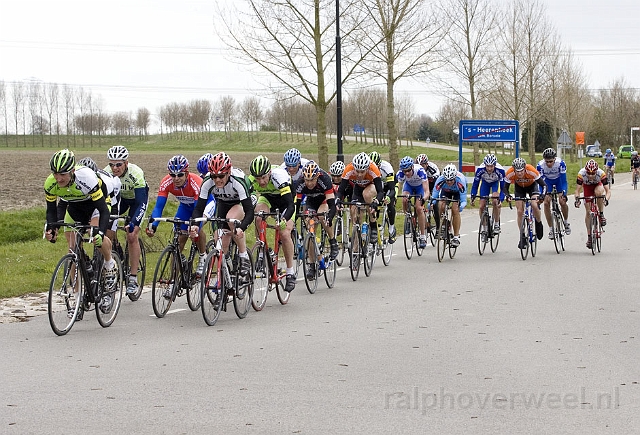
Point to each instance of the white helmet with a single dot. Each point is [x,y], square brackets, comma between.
[449,172]
[361,161]
[117,152]
[337,168]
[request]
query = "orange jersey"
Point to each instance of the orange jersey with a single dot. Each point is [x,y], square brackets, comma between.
[525,179]
[372,173]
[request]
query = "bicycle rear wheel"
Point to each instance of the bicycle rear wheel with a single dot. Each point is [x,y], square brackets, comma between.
[210,293]
[165,280]
[342,237]
[310,267]
[66,293]
[283,295]
[193,292]
[443,238]
[298,250]
[431,229]
[142,269]
[355,247]
[107,310]
[635,181]
[533,238]
[483,233]
[594,233]
[408,235]
[387,247]
[260,277]
[243,292]
[494,237]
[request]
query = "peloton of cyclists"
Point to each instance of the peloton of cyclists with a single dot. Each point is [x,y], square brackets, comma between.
[527,181]
[554,173]
[414,182]
[489,176]
[593,182]
[451,184]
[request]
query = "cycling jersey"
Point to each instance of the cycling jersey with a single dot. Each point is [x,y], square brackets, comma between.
[635,162]
[417,177]
[491,181]
[458,189]
[371,176]
[277,193]
[386,172]
[591,180]
[187,195]
[85,193]
[432,171]
[318,194]
[134,193]
[524,179]
[610,159]
[556,175]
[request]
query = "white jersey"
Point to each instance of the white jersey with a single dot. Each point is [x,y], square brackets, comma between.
[236,189]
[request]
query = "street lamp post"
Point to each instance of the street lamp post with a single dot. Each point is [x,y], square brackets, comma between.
[340,155]
[632,130]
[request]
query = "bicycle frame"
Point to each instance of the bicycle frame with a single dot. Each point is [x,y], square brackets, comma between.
[486,233]
[124,255]
[557,221]
[277,273]
[411,231]
[445,232]
[595,223]
[527,228]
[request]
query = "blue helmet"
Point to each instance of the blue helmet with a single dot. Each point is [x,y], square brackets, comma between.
[292,157]
[406,163]
[178,164]
[490,159]
[608,151]
[203,163]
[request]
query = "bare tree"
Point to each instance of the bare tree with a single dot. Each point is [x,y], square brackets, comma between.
[251,113]
[468,52]
[143,120]
[51,107]
[18,97]
[227,112]
[5,112]
[293,44]
[403,36]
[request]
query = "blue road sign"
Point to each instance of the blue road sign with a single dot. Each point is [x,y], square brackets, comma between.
[486,131]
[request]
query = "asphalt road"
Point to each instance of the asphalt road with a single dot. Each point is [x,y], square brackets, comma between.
[475,345]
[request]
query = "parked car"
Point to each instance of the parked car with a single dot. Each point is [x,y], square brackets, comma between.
[625,151]
[593,151]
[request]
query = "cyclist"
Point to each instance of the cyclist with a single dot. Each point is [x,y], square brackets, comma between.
[593,182]
[431,168]
[134,195]
[489,177]
[203,170]
[318,189]
[527,180]
[293,163]
[185,187]
[273,183]
[451,184]
[414,182]
[232,192]
[554,173]
[336,170]
[86,196]
[635,164]
[367,187]
[389,185]
[610,162]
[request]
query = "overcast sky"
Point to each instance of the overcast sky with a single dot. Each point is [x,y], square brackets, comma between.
[147,53]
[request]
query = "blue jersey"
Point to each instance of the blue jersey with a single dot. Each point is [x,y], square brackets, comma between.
[441,188]
[493,177]
[610,159]
[556,175]
[418,176]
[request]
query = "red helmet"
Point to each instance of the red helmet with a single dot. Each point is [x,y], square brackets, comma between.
[220,164]
[591,166]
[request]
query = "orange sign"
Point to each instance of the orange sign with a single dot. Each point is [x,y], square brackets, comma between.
[579,137]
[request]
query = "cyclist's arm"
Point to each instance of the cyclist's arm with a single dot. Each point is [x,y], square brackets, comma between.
[290,206]
[342,188]
[543,186]
[564,185]
[331,202]
[247,206]
[52,212]
[141,198]
[157,211]
[377,182]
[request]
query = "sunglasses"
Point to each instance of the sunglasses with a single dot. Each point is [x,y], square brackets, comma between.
[361,171]
[591,173]
[549,161]
[216,176]
[179,175]
[406,171]
[116,165]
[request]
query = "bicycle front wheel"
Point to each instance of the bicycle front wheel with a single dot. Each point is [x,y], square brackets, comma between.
[557,234]
[260,277]
[142,270]
[483,233]
[193,280]
[309,266]
[408,235]
[283,295]
[66,293]
[243,293]
[495,237]
[341,237]
[443,238]
[165,280]
[524,237]
[387,247]
[355,247]
[431,229]
[533,238]
[110,298]
[210,290]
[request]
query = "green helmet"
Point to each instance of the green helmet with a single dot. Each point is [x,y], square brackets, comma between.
[260,166]
[375,157]
[62,161]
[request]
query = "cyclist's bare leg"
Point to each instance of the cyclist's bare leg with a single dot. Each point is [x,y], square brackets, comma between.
[587,215]
[519,212]
[329,229]
[455,218]
[536,210]
[481,205]
[105,249]
[599,191]
[496,207]
[547,209]
[564,207]
[287,243]
[236,212]
[422,218]
[134,248]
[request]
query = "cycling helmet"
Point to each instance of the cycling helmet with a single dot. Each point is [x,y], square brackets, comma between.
[220,164]
[292,157]
[422,159]
[178,164]
[406,163]
[490,159]
[361,161]
[375,157]
[63,161]
[591,166]
[89,163]
[337,168]
[634,153]
[203,163]
[449,172]
[260,166]
[608,151]
[117,152]
[311,170]
[519,163]
[549,153]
